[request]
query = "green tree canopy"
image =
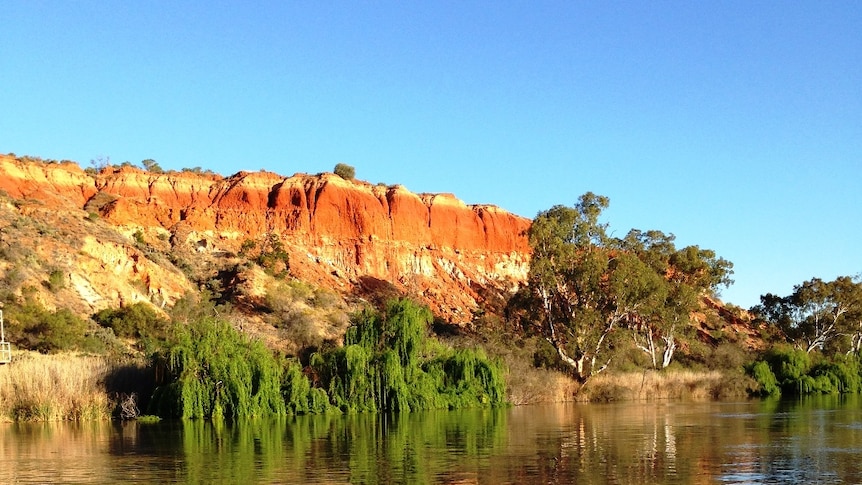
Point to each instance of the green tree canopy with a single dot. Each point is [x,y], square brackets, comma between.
[345,171]
[585,287]
[817,313]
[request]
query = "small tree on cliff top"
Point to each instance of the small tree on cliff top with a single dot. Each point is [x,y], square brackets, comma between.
[345,171]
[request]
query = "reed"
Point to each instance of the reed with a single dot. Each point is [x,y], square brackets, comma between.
[57,387]
[669,384]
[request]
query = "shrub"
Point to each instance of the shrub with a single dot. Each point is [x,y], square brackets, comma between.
[761,373]
[299,396]
[345,171]
[31,326]
[138,320]
[270,254]
[842,374]
[788,365]
[56,280]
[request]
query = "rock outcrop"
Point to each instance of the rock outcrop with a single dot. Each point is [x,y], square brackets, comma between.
[338,233]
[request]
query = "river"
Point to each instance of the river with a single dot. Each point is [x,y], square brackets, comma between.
[814,440]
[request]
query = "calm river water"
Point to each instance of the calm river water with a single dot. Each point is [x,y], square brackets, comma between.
[816,440]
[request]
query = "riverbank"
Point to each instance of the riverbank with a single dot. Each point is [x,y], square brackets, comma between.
[76,387]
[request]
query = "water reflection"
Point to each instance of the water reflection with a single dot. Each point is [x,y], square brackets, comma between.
[810,441]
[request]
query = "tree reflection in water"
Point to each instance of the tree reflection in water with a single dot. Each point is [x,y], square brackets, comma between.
[813,440]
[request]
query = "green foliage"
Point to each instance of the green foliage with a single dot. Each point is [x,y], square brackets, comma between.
[214,371]
[818,314]
[789,365]
[586,289]
[31,326]
[299,396]
[138,320]
[792,371]
[304,315]
[761,373]
[269,254]
[56,280]
[345,171]
[388,364]
[842,374]
[151,166]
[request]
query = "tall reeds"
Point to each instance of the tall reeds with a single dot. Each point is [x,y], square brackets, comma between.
[653,385]
[58,387]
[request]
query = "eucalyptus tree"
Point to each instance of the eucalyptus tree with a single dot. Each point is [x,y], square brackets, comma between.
[817,313]
[688,274]
[583,286]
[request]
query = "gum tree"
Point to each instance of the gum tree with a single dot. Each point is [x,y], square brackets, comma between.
[817,313]
[581,287]
[688,274]
[585,288]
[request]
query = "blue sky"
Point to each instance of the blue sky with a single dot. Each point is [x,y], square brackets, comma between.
[736,126]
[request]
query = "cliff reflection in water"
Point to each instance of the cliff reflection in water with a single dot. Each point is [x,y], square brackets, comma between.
[816,440]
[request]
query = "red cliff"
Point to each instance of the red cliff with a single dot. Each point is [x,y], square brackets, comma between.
[338,233]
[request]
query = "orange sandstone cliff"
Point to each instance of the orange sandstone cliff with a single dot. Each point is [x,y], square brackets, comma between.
[339,234]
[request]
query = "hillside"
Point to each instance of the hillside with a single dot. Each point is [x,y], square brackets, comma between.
[122,234]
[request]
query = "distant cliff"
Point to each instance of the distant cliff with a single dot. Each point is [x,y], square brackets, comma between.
[339,234]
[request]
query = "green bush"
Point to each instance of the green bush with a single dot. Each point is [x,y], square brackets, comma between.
[389,364]
[31,326]
[792,371]
[761,373]
[56,280]
[842,373]
[345,171]
[299,396]
[788,365]
[138,320]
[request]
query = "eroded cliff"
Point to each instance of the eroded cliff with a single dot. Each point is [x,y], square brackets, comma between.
[344,235]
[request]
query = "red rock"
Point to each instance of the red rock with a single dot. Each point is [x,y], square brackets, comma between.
[336,231]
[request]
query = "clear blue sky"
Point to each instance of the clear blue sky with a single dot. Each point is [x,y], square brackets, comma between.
[736,126]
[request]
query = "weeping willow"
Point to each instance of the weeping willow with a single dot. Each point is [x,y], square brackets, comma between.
[214,371]
[387,364]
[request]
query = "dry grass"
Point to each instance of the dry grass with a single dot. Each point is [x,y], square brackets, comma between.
[528,385]
[36,387]
[677,385]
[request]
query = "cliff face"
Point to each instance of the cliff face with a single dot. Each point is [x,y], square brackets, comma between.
[339,234]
